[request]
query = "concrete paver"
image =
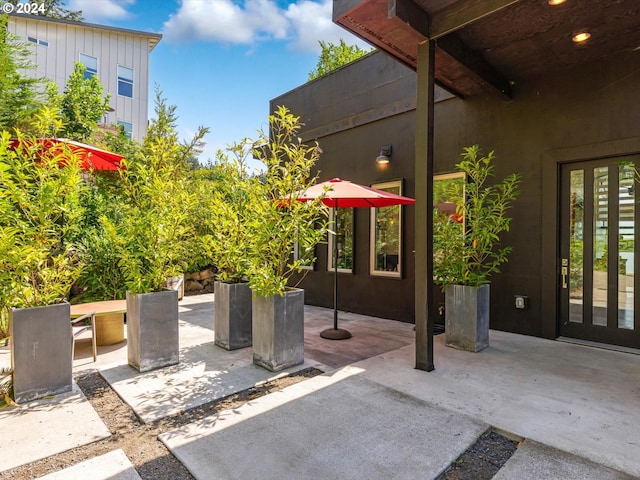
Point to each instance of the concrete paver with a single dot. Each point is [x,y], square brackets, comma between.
[42,428]
[534,461]
[338,425]
[110,466]
[581,400]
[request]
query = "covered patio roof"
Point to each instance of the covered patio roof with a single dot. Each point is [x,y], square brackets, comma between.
[490,45]
[473,47]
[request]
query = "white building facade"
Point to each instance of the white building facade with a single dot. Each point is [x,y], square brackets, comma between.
[118,57]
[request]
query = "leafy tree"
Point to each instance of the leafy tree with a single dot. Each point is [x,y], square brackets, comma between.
[334,56]
[154,234]
[54,9]
[228,212]
[277,220]
[40,189]
[81,105]
[470,255]
[17,97]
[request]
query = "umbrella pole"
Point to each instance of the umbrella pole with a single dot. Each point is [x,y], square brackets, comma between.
[335,333]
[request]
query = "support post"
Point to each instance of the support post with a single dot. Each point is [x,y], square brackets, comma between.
[424,207]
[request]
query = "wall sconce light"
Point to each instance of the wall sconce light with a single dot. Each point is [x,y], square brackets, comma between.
[385,152]
[581,37]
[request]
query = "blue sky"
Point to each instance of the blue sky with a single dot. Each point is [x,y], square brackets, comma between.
[221,61]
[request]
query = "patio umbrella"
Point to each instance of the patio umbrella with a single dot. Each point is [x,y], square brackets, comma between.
[338,193]
[92,158]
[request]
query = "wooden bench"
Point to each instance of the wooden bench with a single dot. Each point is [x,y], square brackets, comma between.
[109,316]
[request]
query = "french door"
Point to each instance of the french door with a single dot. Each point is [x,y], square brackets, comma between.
[598,260]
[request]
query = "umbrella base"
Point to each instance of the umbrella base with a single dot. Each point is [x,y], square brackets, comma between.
[335,334]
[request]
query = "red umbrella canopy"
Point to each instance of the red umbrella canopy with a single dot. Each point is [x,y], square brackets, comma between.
[92,158]
[345,194]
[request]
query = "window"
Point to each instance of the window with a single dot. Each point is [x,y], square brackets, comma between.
[128,128]
[37,41]
[386,235]
[90,65]
[125,81]
[342,225]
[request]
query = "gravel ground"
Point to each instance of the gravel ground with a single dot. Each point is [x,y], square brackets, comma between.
[483,459]
[153,461]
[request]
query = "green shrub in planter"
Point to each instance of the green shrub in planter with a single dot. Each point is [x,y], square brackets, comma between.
[40,204]
[469,253]
[228,211]
[154,237]
[39,200]
[466,254]
[277,220]
[154,233]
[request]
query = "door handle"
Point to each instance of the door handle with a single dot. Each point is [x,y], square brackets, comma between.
[565,274]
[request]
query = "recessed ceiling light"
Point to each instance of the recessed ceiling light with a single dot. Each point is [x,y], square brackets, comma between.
[553,3]
[581,37]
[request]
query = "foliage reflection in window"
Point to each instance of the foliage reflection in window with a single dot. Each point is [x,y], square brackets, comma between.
[448,225]
[299,252]
[386,235]
[343,228]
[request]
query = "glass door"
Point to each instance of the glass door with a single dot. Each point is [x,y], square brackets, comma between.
[597,267]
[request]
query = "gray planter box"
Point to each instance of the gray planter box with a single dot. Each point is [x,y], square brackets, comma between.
[467,317]
[152,330]
[232,319]
[278,330]
[41,351]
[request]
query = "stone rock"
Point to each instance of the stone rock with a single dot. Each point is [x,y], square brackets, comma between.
[192,285]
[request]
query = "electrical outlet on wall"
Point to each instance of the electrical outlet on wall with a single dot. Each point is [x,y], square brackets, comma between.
[522,302]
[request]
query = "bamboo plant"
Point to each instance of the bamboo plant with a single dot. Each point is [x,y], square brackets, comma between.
[467,248]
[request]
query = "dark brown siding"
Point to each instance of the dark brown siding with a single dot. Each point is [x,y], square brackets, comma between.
[360,107]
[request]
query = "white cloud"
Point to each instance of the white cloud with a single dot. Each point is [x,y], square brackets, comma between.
[225,21]
[311,22]
[96,11]
[301,24]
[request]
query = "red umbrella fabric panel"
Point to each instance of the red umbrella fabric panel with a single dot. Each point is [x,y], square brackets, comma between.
[345,194]
[92,158]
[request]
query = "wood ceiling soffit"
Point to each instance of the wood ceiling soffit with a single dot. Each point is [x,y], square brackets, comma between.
[526,40]
[398,26]
[474,62]
[457,78]
[462,13]
[369,20]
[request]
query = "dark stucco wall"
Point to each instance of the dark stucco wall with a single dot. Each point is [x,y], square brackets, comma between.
[559,117]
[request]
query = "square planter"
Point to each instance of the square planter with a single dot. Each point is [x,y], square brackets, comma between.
[467,317]
[278,330]
[232,319]
[152,330]
[41,351]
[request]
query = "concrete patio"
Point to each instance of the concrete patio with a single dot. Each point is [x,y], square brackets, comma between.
[370,415]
